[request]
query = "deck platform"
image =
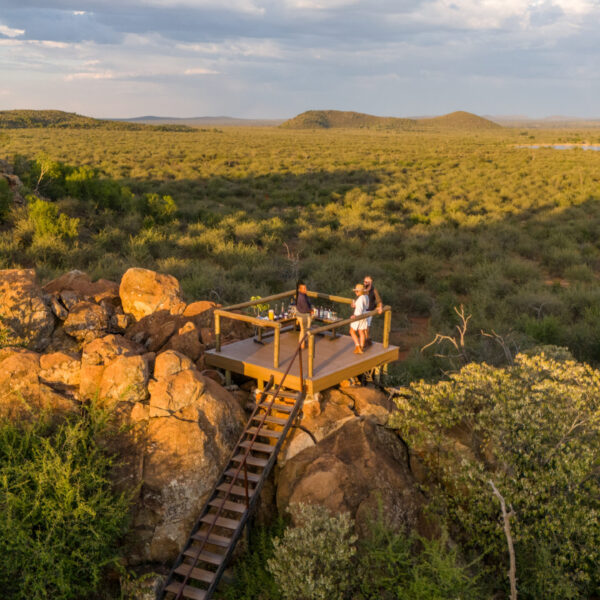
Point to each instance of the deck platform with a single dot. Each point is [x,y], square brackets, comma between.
[334,360]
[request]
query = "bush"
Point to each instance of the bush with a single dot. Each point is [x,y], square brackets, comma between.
[313,560]
[5,199]
[395,566]
[251,579]
[46,220]
[531,427]
[60,520]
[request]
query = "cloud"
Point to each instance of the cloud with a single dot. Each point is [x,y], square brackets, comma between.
[10,32]
[200,71]
[280,55]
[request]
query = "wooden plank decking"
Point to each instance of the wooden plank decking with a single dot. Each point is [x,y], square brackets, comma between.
[334,360]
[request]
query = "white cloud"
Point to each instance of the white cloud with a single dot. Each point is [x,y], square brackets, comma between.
[90,75]
[244,6]
[10,32]
[319,4]
[200,71]
[79,12]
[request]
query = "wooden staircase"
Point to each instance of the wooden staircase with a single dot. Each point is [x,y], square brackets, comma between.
[201,564]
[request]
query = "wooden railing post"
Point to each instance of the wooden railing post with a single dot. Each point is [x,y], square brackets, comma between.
[387,326]
[277,335]
[217,331]
[311,353]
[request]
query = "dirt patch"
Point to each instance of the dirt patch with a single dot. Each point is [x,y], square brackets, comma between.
[415,335]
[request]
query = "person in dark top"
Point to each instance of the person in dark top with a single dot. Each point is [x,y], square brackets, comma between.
[303,310]
[375,302]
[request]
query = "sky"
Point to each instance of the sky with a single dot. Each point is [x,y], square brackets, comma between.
[277,58]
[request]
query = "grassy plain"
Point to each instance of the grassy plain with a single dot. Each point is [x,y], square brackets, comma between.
[438,219]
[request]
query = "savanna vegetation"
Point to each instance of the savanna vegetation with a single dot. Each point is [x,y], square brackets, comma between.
[440,218]
[61,521]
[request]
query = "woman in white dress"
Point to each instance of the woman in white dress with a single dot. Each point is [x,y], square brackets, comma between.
[358,329]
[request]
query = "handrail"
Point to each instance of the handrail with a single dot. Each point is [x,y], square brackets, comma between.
[243,462]
[264,300]
[387,325]
[347,321]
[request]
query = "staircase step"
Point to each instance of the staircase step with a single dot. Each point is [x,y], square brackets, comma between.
[220,521]
[257,446]
[236,490]
[288,394]
[269,419]
[213,538]
[209,557]
[251,460]
[254,477]
[229,505]
[264,432]
[196,573]
[188,591]
[288,408]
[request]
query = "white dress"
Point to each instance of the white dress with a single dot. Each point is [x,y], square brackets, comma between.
[360,307]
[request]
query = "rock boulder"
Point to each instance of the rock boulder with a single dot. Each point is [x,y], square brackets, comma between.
[354,469]
[144,292]
[187,433]
[25,314]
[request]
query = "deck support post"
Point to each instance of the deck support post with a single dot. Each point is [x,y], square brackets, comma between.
[387,326]
[217,331]
[277,335]
[311,354]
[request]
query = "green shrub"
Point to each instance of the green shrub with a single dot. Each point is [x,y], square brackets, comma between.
[312,561]
[251,579]
[60,520]
[395,566]
[532,427]
[5,199]
[46,220]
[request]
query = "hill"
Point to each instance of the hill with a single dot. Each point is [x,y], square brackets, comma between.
[326,119]
[27,119]
[459,120]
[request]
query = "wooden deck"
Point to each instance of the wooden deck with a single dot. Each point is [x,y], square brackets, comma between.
[334,360]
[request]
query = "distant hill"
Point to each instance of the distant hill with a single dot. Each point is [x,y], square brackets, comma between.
[459,120]
[328,119]
[21,119]
[205,121]
[325,119]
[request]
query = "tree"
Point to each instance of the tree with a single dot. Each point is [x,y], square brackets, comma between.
[532,427]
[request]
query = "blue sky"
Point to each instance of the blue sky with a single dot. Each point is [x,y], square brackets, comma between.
[276,58]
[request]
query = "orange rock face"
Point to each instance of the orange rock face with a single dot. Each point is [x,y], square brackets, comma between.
[25,313]
[22,394]
[144,292]
[352,470]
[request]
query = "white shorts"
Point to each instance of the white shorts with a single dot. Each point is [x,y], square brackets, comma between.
[360,325]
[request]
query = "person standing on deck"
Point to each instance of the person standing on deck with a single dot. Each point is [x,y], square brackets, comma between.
[303,310]
[358,328]
[375,302]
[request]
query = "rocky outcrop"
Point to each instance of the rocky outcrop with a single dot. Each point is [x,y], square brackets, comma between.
[23,391]
[356,469]
[186,433]
[144,292]
[78,286]
[86,321]
[25,315]
[97,356]
[370,402]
